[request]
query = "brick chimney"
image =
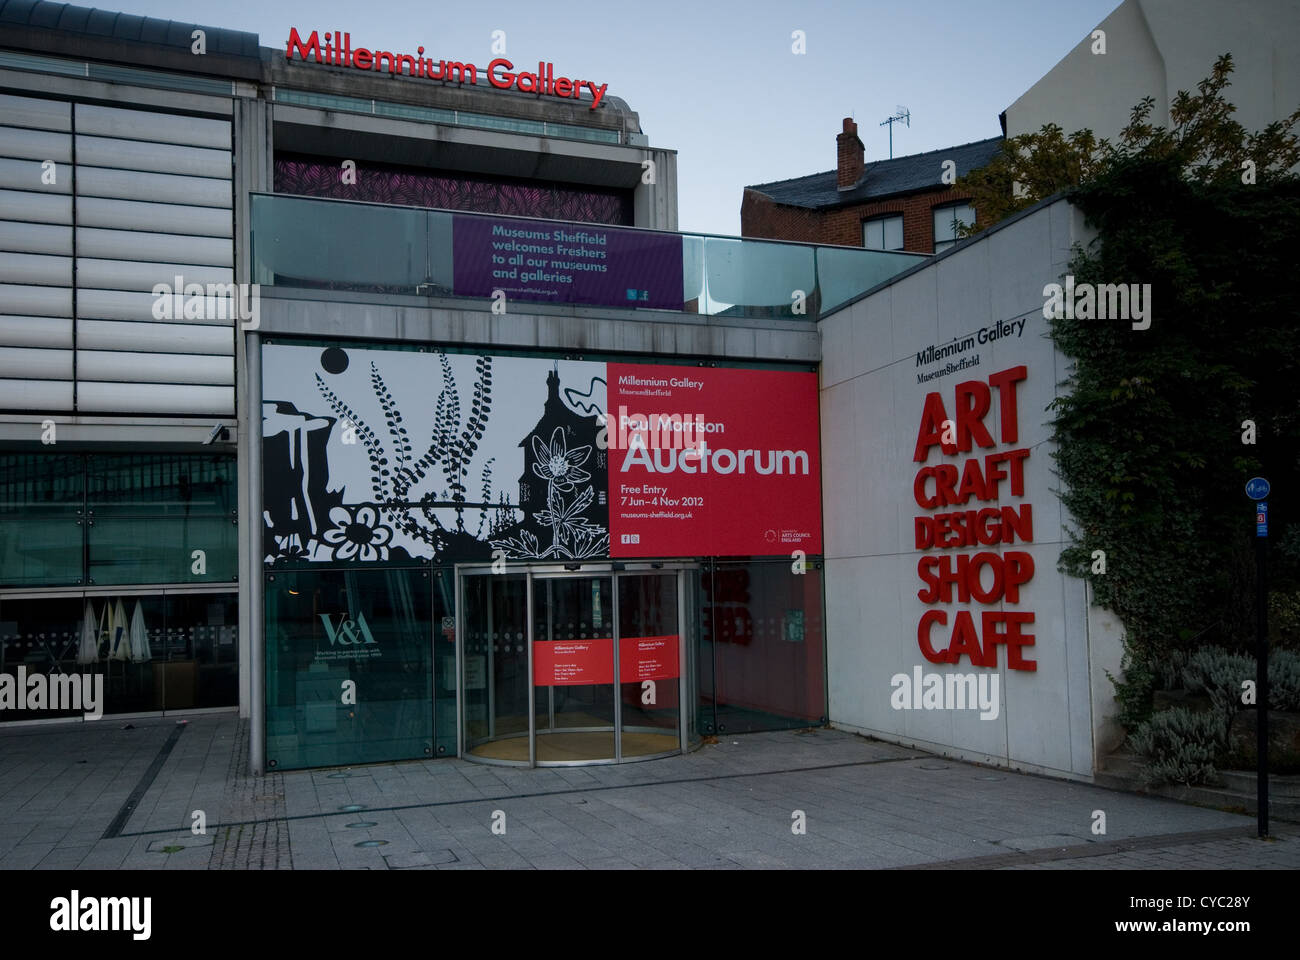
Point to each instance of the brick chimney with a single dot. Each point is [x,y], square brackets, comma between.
[849,156]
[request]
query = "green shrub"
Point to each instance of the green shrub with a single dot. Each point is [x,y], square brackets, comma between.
[1180,746]
[1170,670]
[1219,674]
[1284,617]
[1283,680]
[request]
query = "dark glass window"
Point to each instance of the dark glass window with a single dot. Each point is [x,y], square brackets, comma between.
[762,649]
[42,504]
[120,519]
[137,654]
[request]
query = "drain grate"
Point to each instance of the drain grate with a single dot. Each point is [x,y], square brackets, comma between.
[421,858]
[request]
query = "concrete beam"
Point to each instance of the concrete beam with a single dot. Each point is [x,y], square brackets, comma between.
[572,330]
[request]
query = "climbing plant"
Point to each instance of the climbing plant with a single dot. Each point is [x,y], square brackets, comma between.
[1158,429]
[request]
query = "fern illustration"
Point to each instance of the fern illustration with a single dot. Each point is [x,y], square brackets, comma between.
[379,473]
[487,496]
[393,417]
[404,481]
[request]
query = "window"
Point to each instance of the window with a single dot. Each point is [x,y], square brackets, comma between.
[74,519]
[883,233]
[946,220]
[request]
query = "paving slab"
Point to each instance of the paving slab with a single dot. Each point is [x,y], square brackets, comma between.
[83,796]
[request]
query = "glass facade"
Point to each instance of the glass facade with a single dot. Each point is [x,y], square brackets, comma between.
[762,648]
[585,647]
[349,666]
[150,651]
[362,663]
[150,524]
[81,520]
[42,509]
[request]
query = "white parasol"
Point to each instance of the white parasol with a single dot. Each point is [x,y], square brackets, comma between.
[88,648]
[140,651]
[117,628]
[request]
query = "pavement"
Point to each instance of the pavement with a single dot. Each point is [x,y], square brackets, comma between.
[119,794]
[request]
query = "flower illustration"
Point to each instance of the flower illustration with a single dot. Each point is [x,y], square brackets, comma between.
[291,548]
[558,466]
[357,533]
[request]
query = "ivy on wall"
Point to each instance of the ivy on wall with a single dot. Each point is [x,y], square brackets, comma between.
[1161,426]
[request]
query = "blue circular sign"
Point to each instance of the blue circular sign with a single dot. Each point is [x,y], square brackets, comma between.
[1257,488]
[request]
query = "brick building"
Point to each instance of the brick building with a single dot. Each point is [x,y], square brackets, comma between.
[896,204]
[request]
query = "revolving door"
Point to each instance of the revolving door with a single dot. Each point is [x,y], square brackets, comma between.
[573,666]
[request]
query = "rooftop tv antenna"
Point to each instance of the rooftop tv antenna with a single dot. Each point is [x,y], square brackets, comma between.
[901,115]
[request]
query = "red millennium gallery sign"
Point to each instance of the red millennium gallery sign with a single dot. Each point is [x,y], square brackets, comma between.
[335,49]
[708,461]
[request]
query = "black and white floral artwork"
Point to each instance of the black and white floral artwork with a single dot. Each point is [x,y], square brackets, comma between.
[373,456]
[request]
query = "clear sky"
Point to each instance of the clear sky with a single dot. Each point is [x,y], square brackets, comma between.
[717,80]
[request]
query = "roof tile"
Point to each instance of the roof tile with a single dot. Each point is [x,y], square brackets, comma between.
[884,178]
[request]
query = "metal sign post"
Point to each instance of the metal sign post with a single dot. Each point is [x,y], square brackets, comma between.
[1257,489]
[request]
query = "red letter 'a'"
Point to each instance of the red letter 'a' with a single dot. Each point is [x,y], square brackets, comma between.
[931,432]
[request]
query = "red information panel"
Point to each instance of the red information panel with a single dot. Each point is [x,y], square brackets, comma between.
[647,658]
[561,663]
[706,461]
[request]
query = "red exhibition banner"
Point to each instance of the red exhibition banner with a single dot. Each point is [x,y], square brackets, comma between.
[712,461]
[562,663]
[647,658]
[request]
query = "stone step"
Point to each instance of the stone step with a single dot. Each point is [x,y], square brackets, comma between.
[1278,786]
[1123,771]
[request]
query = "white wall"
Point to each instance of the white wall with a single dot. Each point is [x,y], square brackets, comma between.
[871,412]
[1159,47]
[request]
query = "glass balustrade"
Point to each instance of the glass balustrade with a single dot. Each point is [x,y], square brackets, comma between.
[341,245]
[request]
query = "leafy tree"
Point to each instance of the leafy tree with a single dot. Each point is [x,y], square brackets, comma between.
[1149,432]
[1202,140]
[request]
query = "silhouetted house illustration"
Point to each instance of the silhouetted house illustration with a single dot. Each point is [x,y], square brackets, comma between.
[562,486]
[549,459]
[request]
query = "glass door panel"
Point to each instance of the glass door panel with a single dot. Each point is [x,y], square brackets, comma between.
[494,682]
[366,628]
[649,643]
[561,667]
[573,668]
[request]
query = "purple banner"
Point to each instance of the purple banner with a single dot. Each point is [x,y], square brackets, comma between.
[566,263]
